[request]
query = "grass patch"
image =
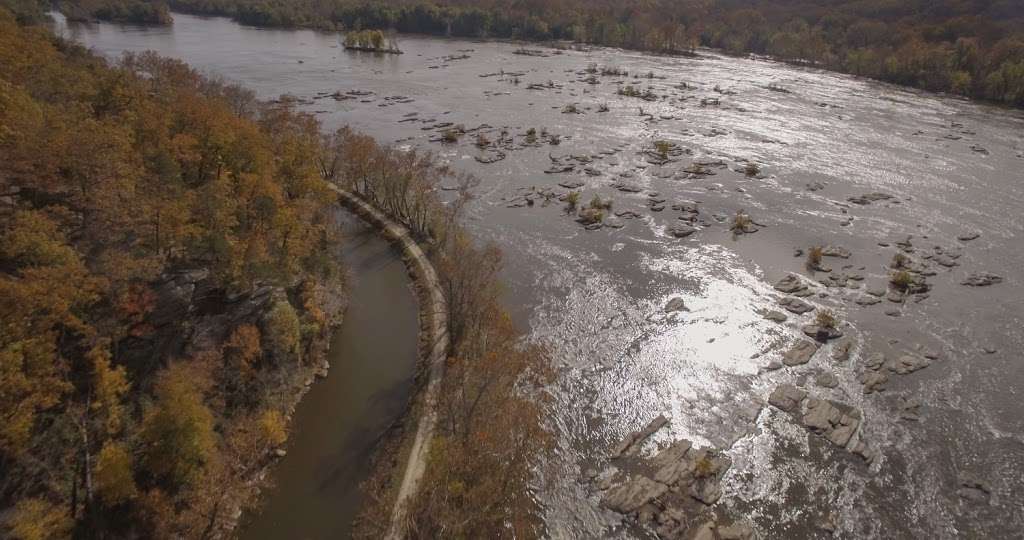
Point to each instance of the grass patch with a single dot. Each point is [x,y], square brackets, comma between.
[814,257]
[826,319]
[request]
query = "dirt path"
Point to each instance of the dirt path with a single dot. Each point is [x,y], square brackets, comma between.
[433,305]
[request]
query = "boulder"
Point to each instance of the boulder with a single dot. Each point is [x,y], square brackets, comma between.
[908,364]
[874,381]
[790,284]
[821,333]
[841,350]
[633,494]
[795,305]
[637,438]
[786,397]
[800,353]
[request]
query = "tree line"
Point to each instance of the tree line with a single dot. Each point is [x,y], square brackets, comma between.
[973,48]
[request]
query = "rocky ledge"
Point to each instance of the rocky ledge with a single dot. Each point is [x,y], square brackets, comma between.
[838,423]
[670,493]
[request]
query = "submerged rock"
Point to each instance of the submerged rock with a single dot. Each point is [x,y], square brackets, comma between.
[869,198]
[909,364]
[786,397]
[634,493]
[982,279]
[681,231]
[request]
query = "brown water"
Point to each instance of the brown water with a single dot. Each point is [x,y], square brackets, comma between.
[339,422]
[596,297]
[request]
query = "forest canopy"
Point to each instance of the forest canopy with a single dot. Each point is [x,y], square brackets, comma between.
[163,267]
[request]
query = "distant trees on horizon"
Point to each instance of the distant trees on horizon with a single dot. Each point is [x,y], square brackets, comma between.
[974,49]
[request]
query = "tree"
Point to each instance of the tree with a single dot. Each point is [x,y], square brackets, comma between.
[114,479]
[282,332]
[177,432]
[38,519]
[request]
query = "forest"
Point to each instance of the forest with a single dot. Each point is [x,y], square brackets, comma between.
[168,282]
[973,48]
[165,278]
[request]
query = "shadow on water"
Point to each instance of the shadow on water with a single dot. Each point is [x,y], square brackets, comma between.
[339,422]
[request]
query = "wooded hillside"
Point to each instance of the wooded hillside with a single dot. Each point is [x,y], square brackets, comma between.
[165,274]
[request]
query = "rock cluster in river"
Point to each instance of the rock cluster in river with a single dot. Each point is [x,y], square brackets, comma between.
[670,492]
[837,423]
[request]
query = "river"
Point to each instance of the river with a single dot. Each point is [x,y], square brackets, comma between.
[952,169]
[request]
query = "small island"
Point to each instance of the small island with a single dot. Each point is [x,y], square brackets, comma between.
[371,41]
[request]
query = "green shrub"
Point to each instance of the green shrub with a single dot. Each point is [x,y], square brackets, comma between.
[901,280]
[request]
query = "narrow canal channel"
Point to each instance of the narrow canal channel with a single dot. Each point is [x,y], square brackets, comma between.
[338,423]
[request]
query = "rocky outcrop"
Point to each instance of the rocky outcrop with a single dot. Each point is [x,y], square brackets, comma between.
[633,441]
[835,422]
[877,369]
[670,489]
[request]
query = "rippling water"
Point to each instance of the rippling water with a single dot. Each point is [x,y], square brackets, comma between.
[597,297]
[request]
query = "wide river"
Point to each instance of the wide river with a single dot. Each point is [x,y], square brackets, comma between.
[953,169]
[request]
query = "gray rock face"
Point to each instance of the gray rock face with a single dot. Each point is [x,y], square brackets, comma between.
[796,305]
[836,422]
[908,364]
[786,397]
[967,237]
[671,488]
[776,316]
[800,353]
[634,493]
[790,284]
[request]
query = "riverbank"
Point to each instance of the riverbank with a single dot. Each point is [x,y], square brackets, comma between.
[434,347]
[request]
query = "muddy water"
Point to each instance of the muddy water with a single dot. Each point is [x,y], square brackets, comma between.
[338,423]
[596,297]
